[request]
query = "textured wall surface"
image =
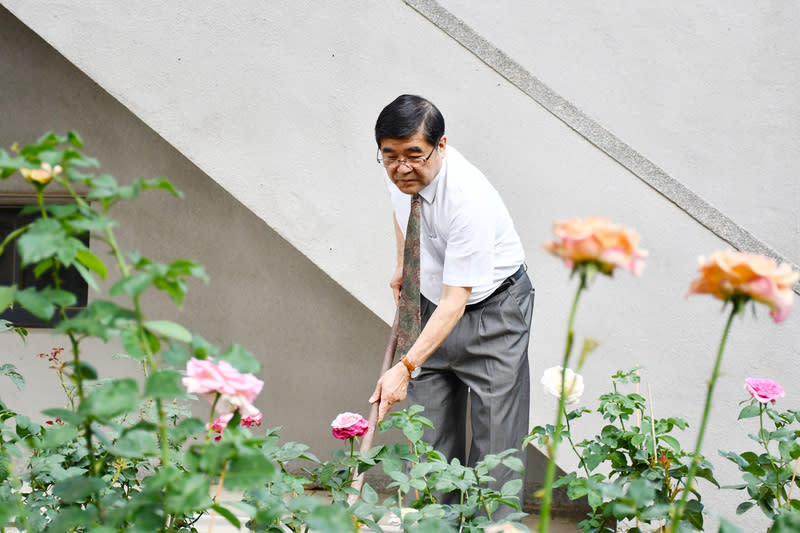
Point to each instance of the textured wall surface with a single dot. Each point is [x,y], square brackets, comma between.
[263,293]
[706,90]
[277,107]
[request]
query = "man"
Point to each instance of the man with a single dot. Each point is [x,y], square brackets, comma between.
[476,298]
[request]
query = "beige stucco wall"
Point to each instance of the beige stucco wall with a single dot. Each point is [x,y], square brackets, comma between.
[277,107]
[308,333]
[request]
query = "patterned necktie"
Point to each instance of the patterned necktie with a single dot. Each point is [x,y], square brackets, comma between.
[408,322]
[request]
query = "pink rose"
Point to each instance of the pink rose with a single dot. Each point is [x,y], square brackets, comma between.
[221,423]
[349,425]
[250,421]
[203,377]
[727,274]
[236,391]
[41,175]
[596,240]
[764,390]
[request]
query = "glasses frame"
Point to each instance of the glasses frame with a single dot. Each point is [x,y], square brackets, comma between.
[413,162]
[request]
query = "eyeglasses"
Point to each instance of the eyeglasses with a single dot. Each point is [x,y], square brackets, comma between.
[413,162]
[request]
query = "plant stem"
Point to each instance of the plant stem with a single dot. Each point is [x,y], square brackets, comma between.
[352,449]
[678,514]
[572,445]
[550,474]
[211,419]
[765,443]
[216,496]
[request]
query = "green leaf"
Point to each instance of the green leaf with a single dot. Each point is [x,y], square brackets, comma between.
[74,139]
[163,384]
[368,494]
[58,436]
[201,348]
[44,238]
[744,507]
[169,329]
[92,262]
[672,442]
[42,303]
[241,359]
[187,493]
[111,399]
[249,469]
[333,518]
[727,527]
[136,443]
[750,411]
[132,342]
[133,285]
[413,432]
[82,370]
[515,464]
[228,515]
[511,488]
[175,355]
[6,296]
[101,318]
[13,374]
[68,416]
[77,488]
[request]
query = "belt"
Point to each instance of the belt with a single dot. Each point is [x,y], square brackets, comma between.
[509,281]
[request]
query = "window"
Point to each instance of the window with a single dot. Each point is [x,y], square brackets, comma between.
[12,273]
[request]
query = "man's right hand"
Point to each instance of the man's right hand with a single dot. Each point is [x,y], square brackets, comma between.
[396,283]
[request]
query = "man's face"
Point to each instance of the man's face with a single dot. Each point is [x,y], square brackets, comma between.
[412,179]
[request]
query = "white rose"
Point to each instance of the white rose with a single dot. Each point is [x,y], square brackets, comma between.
[573,383]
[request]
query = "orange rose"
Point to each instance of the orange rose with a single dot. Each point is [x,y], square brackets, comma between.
[727,274]
[42,175]
[596,240]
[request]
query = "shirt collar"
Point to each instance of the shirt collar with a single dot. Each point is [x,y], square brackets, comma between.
[429,192]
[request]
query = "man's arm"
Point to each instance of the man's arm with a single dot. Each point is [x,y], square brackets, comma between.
[391,387]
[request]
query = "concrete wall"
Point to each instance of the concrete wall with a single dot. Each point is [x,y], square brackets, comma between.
[263,293]
[277,107]
[706,90]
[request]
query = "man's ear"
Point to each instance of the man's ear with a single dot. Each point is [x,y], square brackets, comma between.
[442,145]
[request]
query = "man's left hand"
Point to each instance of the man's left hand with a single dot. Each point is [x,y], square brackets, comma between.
[391,388]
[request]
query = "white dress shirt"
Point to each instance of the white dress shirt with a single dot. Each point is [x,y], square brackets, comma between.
[467,238]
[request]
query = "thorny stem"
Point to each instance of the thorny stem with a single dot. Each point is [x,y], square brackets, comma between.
[547,501]
[794,475]
[765,443]
[151,361]
[216,496]
[738,304]
[572,445]
[211,419]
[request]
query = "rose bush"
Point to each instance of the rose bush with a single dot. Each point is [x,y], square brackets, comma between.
[126,454]
[586,246]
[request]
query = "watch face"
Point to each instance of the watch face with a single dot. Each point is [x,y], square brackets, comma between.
[416,372]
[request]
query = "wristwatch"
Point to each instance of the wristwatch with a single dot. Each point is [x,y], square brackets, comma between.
[413,370]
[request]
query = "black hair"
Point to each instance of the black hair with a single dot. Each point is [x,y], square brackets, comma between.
[402,118]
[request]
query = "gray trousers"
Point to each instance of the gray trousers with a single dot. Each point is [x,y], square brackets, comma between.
[484,358]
